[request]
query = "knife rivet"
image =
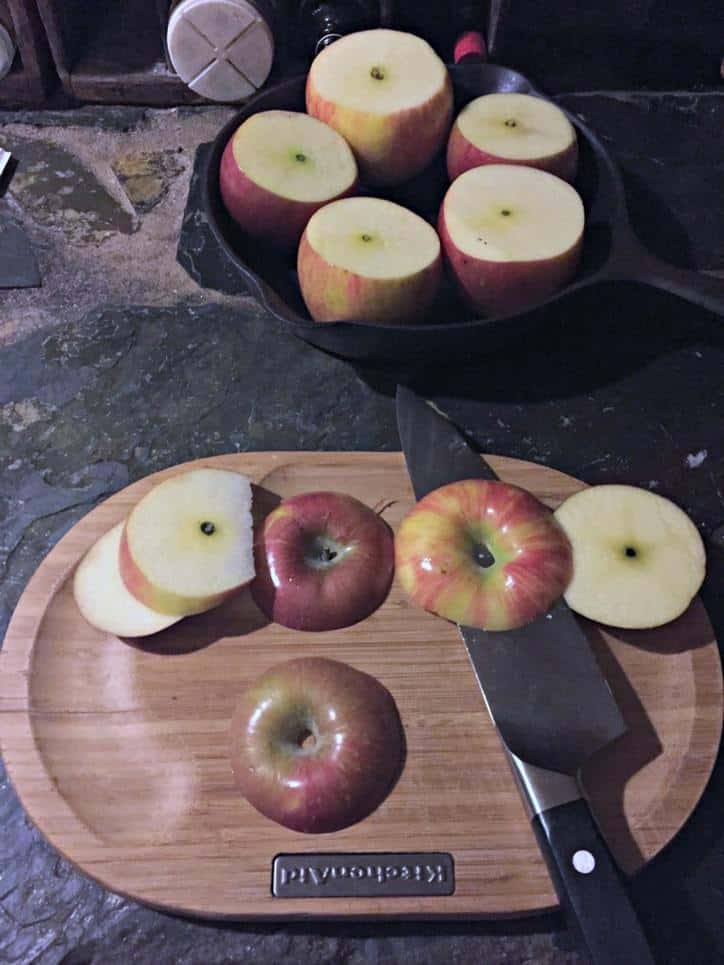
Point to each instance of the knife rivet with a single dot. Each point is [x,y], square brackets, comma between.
[584,862]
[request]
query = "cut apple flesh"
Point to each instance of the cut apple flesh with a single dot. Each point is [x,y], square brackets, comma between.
[187,545]
[516,127]
[638,560]
[294,156]
[504,213]
[102,597]
[373,238]
[379,72]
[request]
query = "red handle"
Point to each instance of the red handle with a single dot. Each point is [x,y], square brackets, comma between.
[470,48]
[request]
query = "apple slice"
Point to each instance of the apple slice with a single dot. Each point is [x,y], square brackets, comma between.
[512,129]
[368,259]
[187,544]
[389,94]
[102,597]
[638,560]
[278,169]
[512,236]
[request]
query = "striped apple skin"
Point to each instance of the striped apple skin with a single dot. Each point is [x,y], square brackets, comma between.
[462,155]
[435,563]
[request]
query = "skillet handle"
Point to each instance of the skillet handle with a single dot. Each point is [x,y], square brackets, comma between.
[694,286]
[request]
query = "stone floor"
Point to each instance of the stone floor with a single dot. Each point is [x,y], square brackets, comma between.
[121,365]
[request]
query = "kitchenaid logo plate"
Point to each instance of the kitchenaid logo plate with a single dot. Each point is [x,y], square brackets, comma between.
[362,875]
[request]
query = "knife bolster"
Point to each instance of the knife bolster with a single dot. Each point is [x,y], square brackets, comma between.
[541,789]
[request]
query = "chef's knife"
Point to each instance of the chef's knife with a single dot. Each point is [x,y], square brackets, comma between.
[553,710]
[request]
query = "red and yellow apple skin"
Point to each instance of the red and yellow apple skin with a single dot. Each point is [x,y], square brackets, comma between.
[506,287]
[389,148]
[323,560]
[316,744]
[462,155]
[332,293]
[261,213]
[437,549]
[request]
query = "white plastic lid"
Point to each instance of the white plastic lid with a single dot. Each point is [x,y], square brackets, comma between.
[7,52]
[222,49]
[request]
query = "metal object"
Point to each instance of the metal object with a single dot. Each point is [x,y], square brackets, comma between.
[4,160]
[552,708]
[611,251]
[386,874]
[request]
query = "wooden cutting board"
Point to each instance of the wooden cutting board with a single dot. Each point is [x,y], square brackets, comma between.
[119,752]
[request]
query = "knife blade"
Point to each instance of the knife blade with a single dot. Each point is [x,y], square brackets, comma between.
[552,708]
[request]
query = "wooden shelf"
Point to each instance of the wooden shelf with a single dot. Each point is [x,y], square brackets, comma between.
[112,51]
[32,75]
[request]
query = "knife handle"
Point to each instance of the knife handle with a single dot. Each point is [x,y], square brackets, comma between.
[591,888]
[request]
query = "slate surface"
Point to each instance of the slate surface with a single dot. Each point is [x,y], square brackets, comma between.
[628,389]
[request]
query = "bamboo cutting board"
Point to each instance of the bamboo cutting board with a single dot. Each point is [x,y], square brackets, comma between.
[119,753]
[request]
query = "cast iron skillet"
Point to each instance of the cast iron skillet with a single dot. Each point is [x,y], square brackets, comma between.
[611,251]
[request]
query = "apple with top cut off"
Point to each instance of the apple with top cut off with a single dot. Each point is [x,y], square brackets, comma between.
[638,560]
[278,169]
[389,95]
[324,560]
[512,129]
[101,595]
[482,554]
[512,236]
[316,744]
[365,259]
[187,545]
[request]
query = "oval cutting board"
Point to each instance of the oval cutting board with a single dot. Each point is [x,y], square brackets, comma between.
[119,752]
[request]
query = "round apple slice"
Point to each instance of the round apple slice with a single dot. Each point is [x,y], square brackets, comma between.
[324,560]
[102,598]
[638,560]
[187,545]
[278,169]
[370,260]
[482,554]
[316,744]
[512,129]
[389,94]
[512,236]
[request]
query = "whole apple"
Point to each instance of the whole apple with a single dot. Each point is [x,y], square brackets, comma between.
[278,169]
[316,744]
[512,236]
[483,554]
[367,259]
[389,95]
[324,560]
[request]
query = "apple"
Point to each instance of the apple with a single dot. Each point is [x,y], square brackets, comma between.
[187,545]
[316,744]
[102,597]
[278,169]
[638,560]
[512,129]
[389,95]
[324,560]
[482,554]
[512,236]
[368,259]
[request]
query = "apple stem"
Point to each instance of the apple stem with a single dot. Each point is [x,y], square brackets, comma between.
[207,528]
[630,552]
[511,123]
[377,73]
